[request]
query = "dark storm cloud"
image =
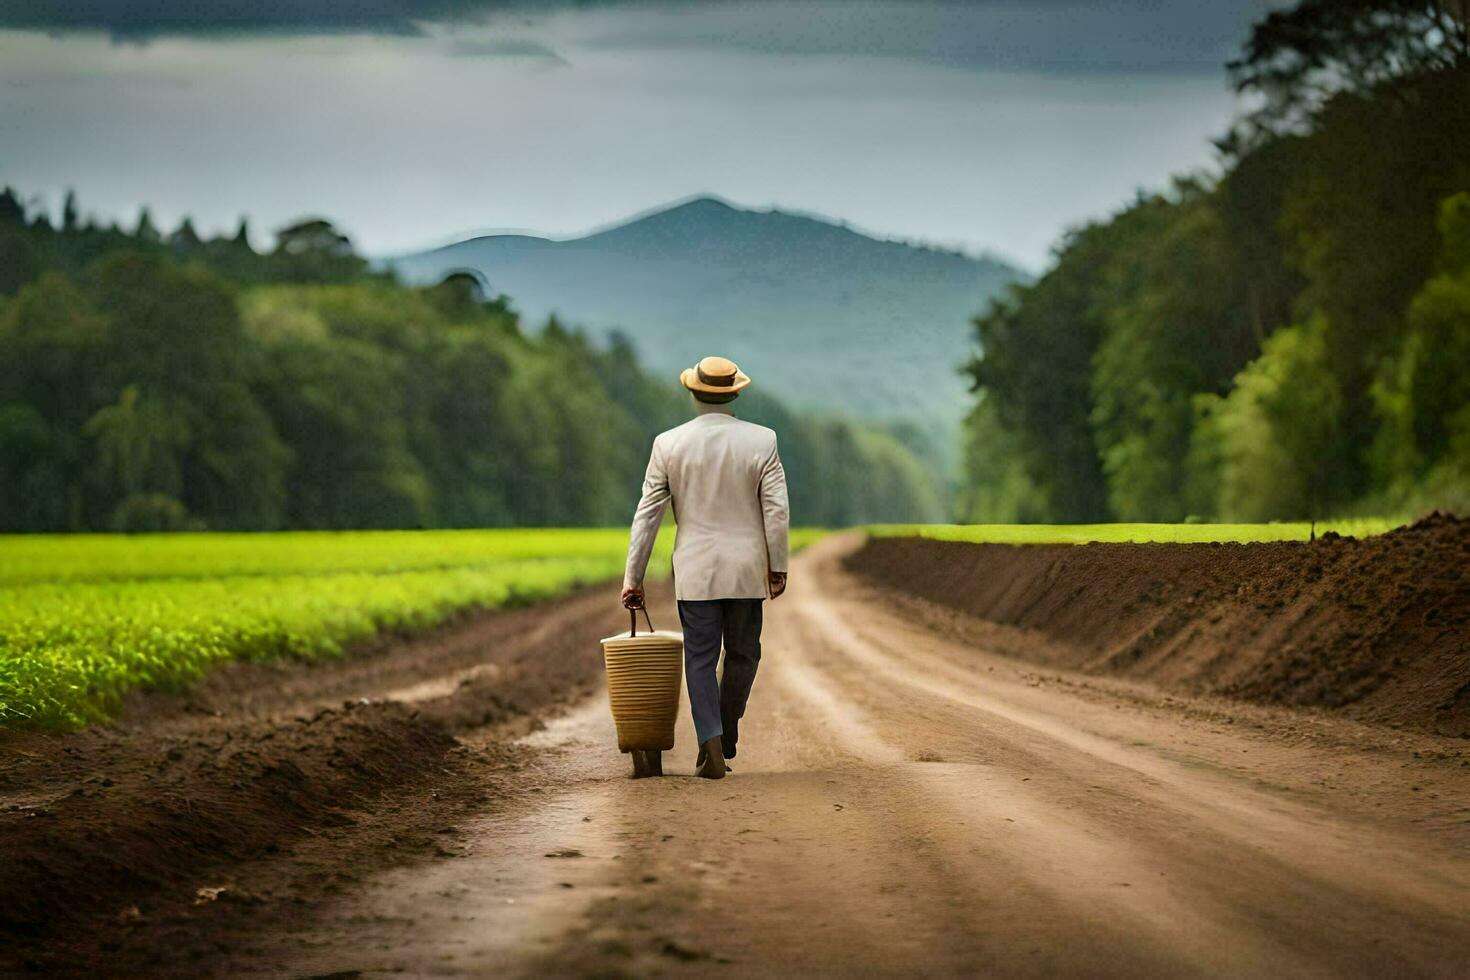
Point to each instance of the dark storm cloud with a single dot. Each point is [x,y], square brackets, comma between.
[149,18]
[1103,36]
[1063,36]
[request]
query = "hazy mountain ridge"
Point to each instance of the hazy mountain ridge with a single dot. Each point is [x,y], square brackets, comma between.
[821,315]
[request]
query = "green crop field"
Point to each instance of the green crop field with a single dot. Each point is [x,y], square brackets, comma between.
[86,618]
[1132,533]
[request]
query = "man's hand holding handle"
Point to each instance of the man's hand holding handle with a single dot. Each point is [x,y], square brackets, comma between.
[633,598]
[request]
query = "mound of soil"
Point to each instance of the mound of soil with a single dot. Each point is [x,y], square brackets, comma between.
[115,829]
[1377,629]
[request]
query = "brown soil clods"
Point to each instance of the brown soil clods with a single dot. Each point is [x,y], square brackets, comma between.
[102,830]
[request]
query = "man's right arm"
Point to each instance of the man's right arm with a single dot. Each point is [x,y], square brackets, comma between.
[646,519]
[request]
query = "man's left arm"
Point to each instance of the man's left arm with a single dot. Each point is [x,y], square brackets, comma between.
[777,517]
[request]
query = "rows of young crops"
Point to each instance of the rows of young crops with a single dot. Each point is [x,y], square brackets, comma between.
[1134,533]
[84,619]
[103,557]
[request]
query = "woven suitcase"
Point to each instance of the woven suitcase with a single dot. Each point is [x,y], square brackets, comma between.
[644,675]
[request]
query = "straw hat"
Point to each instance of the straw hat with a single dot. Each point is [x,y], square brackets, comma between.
[714,376]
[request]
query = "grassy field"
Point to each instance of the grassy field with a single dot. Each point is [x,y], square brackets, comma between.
[1132,533]
[86,618]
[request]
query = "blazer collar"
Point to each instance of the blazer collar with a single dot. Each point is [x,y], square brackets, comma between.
[705,408]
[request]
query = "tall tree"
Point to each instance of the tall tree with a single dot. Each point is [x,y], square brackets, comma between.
[1037,346]
[146,232]
[12,211]
[176,335]
[69,215]
[1297,59]
[53,350]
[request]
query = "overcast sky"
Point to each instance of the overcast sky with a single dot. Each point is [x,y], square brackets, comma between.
[985,125]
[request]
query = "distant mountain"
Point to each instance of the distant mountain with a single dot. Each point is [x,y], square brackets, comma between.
[820,315]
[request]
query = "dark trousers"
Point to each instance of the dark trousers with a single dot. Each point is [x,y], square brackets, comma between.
[718,704]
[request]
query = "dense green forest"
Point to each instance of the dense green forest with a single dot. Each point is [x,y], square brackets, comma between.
[152,381]
[1289,339]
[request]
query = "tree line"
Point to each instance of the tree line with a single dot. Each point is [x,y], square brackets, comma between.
[153,381]
[1289,339]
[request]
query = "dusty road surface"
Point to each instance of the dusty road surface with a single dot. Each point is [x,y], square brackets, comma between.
[905,804]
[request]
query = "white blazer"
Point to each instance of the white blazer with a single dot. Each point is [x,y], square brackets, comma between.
[725,481]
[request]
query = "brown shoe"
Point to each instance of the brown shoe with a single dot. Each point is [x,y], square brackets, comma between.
[711,764]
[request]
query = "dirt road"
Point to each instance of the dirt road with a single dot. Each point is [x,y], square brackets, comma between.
[903,803]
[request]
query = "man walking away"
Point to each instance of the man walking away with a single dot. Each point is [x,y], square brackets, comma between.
[724,479]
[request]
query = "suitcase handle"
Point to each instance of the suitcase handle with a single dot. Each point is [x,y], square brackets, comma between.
[633,620]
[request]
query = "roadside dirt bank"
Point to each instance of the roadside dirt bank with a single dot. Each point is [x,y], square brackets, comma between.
[108,835]
[1375,629]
